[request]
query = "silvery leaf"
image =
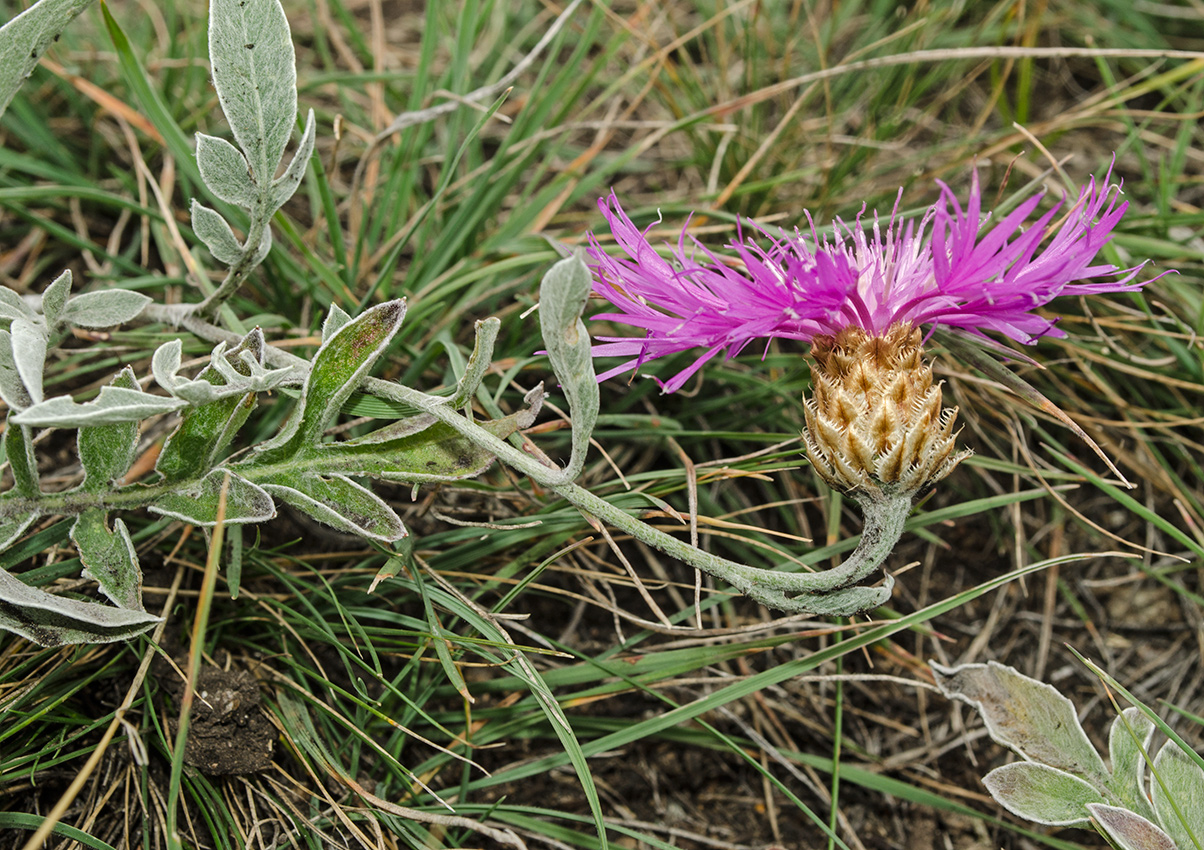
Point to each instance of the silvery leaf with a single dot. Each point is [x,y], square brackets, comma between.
[29,356]
[114,404]
[562,297]
[201,503]
[1042,794]
[1128,830]
[12,389]
[109,558]
[54,299]
[1131,733]
[225,171]
[13,306]
[106,452]
[1179,797]
[251,54]
[1029,716]
[286,184]
[50,620]
[25,38]
[336,317]
[340,503]
[104,309]
[216,233]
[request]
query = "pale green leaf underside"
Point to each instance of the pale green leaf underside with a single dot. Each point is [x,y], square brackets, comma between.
[109,558]
[1041,793]
[216,233]
[341,503]
[225,171]
[105,308]
[114,404]
[199,504]
[1179,797]
[50,620]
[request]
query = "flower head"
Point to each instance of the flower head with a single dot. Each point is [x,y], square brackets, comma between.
[947,269]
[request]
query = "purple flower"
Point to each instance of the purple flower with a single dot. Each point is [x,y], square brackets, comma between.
[946,269]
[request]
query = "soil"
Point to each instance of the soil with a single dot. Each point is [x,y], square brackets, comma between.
[228,733]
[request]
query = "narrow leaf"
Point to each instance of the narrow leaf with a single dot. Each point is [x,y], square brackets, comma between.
[1178,795]
[50,620]
[12,529]
[338,367]
[1128,830]
[562,297]
[251,54]
[225,171]
[285,185]
[340,503]
[106,452]
[104,309]
[18,449]
[29,355]
[1042,794]
[25,38]
[109,558]
[216,233]
[114,404]
[54,299]
[198,504]
[12,388]
[1029,716]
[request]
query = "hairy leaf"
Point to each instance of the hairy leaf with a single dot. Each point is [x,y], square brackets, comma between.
[216,233]
[286,184]
[1128,830]
[198,503]
[562,297]
[1131,733]
[338,367]
[107,451]
[25,38]
[29,355]
[1042,794]
[1029,716]
[50,620]
[13,306]
[104,309]
[12,388]
[335,319]
[225,171]
[109,558]
[12,529]
[114,404]
[254,72]
[339,502]
[18,450]
[1179,797]
[54,299]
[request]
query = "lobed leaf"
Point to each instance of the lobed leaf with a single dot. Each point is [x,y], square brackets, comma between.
[338,367]
[50,620]
[114,404]
[104,309]
[106,452]
[198,503]
[1128,830]
[109,558]
[1028,716]
[1179,796]
[339,502]
[254,72]
[1042,794]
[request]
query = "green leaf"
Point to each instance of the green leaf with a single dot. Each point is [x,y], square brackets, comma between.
[216,233]
[251,54]
[114,404]
[25,38]
[1178,794]
[286,184]
[225,171]
[1128,830]
[198,503]
[336,317]
[106,452]
[109,558]
[338,367]
[562,297]
[1029,716]
[50,620]
[1131,733]
[340,503]
[205,431]
[18,449]
[12,529]
[1042,794]
[104,309]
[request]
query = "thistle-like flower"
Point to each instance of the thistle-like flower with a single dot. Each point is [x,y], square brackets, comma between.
[864,298]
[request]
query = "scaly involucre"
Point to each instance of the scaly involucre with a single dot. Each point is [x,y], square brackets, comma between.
[950,268]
